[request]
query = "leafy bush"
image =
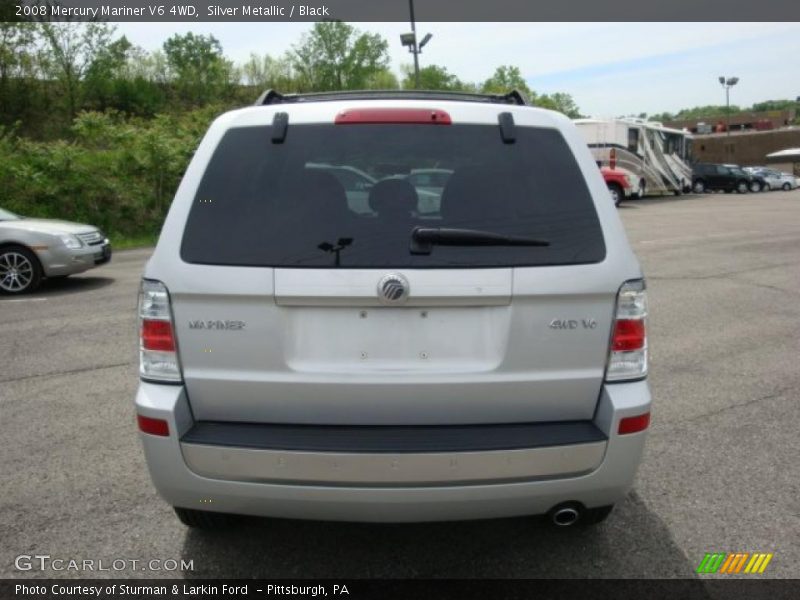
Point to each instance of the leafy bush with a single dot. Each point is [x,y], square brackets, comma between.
[119,174]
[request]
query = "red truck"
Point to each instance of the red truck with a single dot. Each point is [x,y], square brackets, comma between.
[618,184]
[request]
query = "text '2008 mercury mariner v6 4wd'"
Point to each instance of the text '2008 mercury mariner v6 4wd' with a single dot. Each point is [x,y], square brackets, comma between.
[320,338]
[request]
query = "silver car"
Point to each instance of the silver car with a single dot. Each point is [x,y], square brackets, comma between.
[774,180]
[32,249]
[484,357]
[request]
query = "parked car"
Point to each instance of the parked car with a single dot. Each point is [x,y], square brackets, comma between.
[431,180]
[299,359]
[32,249]
[773,180]
[757,182]
[357,185]
[355,182]
[430,184]
[711,177]
[619,184]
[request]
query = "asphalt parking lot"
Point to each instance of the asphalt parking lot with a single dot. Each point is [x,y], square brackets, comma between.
[720,471]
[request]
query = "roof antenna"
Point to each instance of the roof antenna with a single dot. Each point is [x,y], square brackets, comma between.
[516,97]
[269,97]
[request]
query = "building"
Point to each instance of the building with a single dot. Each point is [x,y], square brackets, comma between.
[745,148]
[740,121]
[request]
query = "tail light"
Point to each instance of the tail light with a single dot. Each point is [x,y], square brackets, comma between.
[633,424]
[612,158]
[627,355]
[158,351]
[153,426]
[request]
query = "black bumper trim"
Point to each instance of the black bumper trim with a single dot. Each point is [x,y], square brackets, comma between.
[393,438]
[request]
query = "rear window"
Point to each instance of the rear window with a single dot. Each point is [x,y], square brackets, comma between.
[349,196]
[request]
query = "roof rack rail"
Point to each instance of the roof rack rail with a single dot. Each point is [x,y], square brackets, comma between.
[273,97]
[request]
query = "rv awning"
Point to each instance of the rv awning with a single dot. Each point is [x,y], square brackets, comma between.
[788,154]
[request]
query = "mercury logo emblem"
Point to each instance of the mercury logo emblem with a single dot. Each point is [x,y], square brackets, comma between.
[393,289]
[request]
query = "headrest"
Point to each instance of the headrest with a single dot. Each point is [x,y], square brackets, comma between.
[393,196]
[321,192]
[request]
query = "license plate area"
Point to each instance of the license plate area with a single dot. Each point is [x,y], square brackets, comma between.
[336,339]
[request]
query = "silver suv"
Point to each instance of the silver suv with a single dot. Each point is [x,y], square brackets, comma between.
[313,347]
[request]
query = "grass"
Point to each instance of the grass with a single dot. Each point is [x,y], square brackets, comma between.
[127,242]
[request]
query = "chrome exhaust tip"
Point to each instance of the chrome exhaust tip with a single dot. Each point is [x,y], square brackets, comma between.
[565,515]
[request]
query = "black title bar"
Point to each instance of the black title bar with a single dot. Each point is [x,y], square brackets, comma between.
[396,589]
[398,10]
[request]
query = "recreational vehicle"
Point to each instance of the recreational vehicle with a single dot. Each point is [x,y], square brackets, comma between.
[655,157]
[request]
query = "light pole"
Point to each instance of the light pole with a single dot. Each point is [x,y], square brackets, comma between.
[728,84]
[410,40]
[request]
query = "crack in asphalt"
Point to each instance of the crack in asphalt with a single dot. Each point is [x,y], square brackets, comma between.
[67,372]
[765,286]
[724,275]
[714,413]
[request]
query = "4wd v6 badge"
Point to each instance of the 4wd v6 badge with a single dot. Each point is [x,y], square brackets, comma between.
[572,323]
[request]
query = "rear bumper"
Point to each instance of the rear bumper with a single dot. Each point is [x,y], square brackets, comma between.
[390,486]
[379,456]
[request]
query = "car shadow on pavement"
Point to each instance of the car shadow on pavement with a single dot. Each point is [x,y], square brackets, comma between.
[60,286]
[667,199]
[633,542]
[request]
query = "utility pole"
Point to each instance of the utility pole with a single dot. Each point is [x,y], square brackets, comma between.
[728,84]
[410,40]
[416,47]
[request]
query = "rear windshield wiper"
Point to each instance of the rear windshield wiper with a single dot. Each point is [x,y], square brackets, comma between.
[423,239]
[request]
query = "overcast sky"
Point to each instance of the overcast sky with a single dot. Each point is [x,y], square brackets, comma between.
[609,68]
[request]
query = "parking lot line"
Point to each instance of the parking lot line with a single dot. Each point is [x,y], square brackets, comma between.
[11,300]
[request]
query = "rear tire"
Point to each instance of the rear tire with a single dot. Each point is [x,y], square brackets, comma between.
[616,193]
[699,186]
[20,270]
[203,519]
[786,187]
[742,187]
[755,187]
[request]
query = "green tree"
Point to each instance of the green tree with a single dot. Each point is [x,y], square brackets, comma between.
[336,56]
[562,102]
[73,47]
[17,60]
[152,66]
[775,105]
[198,68]
[665,116]
[505,79]
[711,110]
[432,77]
[382,80]
[103,74]
[268,72]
